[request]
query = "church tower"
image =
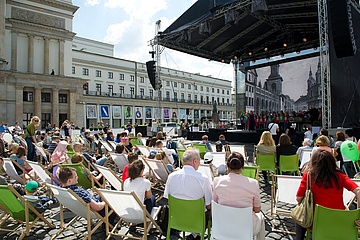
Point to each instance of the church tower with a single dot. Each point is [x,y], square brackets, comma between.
[274,81]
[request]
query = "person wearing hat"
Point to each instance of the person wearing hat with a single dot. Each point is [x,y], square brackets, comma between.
[39,203]
[55,139]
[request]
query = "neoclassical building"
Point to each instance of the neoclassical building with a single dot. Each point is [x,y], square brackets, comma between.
[267,95]
[46,70]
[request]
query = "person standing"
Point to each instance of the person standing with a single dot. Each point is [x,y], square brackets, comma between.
[30,137]
[154,127]
[274,129]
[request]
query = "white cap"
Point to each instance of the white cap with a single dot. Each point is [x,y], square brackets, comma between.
[208,156]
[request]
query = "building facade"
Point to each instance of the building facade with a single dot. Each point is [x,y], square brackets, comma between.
[46,71]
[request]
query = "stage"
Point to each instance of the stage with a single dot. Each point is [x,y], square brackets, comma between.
[242,136]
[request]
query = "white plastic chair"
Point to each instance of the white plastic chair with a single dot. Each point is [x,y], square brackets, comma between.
[287,187]
[206,169]
[231,223]
[130,209]
[305,158]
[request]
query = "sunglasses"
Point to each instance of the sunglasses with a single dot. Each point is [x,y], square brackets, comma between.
[36,120]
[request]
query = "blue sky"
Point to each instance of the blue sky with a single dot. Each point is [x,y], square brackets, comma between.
[130,24]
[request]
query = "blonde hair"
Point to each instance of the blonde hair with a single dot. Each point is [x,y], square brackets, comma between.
[322,141]
[131,134]
[266,139]
[33,120]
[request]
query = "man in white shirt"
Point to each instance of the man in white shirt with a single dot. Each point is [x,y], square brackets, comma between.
[187,183]
[274,129]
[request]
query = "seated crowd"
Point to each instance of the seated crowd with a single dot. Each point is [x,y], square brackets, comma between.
[184,181]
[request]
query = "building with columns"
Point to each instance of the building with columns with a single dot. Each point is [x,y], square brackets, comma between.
[46,71]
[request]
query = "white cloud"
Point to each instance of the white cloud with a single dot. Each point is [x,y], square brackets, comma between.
[141,9]
[92,2]
[117,31]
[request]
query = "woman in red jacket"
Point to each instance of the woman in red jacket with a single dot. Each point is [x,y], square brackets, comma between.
[327,183]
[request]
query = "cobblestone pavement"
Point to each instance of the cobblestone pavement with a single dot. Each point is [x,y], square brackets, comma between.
[285,223]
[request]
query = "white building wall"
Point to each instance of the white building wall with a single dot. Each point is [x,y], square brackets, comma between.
[39,56]
[22,53]
[54,55]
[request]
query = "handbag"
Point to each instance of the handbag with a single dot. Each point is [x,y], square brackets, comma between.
[303,213]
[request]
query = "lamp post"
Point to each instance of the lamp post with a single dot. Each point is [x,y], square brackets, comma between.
[235,63]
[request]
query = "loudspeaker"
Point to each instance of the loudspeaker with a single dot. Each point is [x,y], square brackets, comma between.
[339,12]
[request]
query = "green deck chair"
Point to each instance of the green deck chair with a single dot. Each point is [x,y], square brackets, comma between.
[333,224]
[266,162]
[289,163]
[201,148]
[82,173]
[20,210]
[251,172]
[181,153]
[187,216]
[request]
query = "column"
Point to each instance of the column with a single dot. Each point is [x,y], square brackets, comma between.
[37,101]
[61,57]
[19,105]
[55,106]
[46,55]
[72,103]
[2,29]
[30,53]
[14,36]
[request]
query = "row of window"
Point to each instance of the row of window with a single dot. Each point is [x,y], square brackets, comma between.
[142,80]
[45,97]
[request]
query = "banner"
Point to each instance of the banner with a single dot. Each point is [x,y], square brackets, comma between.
[104,111]
[166,113]
[128,112]
[138,112]
[116,112]
[182,113]
[148,113]
[91,111]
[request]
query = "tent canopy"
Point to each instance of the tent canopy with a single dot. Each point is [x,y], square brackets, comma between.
[222,30]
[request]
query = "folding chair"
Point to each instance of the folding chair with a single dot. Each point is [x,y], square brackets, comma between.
[160,173]
[201,148]
[333,224]
[43,174]
[349,197]
[144,151]
[120,160]
[231,223]
[285,192]
[106,146]
[67,198]
[45,156]
[251,172]
[206,169]
[130,210]
[11,171]
[147,168]
[240,149]
[85,178]
[305,157]
[289,163]
[111,177]
[20,211]
[219,163]
[181,153]
[187,216]
[266,162]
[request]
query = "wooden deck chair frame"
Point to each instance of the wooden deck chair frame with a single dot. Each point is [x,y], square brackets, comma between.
[112,145]
[121,162]
[75,204]
[144,150]
[41,173]
[9,166]
[111,177]
[83,173]
[283,189]
[22,214]
[44,154]
[349,197]
[115,199]
[160,174]
[106,145]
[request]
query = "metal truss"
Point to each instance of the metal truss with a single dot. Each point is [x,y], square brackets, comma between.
[324,63]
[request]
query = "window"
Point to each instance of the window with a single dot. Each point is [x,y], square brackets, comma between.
[121,76]
[45,118]
[175,96]
[86,71]
[121,89]
[218,90]
[175,84]
[223,100]
[62,98]
[132,78]
[201,88]
[151,93]
[97,73]
[167,83]
[182,96]
[207,89]
[195,98]
[189,96]
[189,86]
[167,95]
[110,75]
[182,85]
[142,79]
[227,92]
[86,88]
[73,70]
[110,89]
[98,87]
[142,92]
[223,91]
[195,87]
[45,97]
[212,90]
[132,90]
[28,96]
[201,99]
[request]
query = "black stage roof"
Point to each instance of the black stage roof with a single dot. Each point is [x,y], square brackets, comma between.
[223,29]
